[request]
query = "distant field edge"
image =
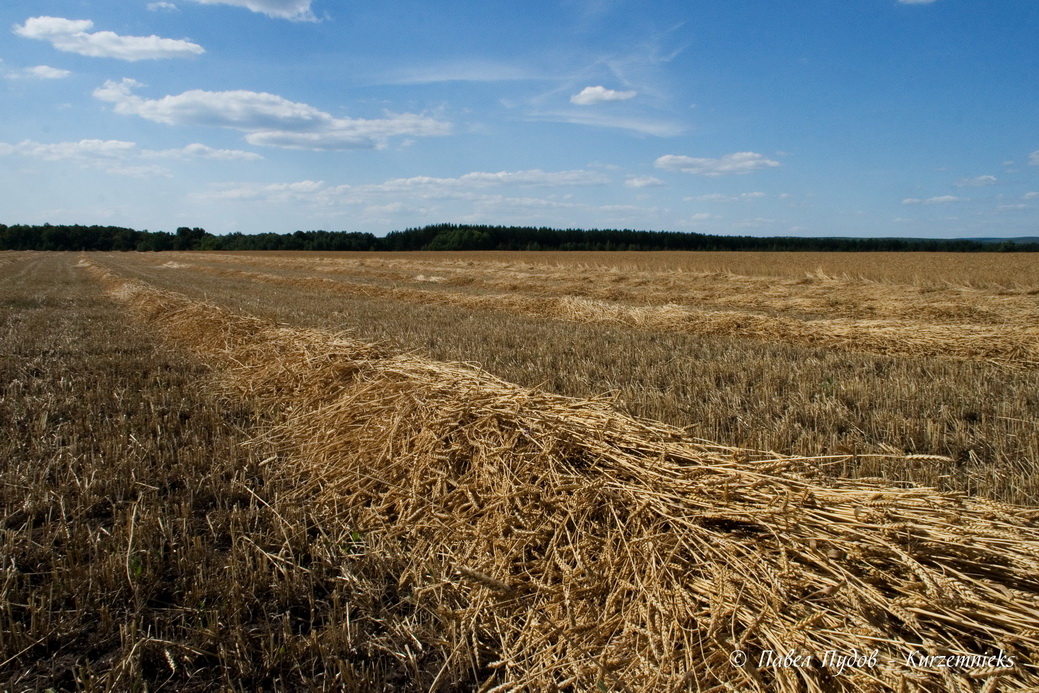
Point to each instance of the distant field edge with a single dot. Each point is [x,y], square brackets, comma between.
[469,237]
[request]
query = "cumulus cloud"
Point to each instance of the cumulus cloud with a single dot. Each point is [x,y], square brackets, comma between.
[117,156]
[267,119]
[737,163]
[294,10]
[73,36]
[940,200]
[47,72]
[644,182]
[977,182]
[589,96]
[37,72]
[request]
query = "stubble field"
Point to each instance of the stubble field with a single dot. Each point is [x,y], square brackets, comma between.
[786,352]
[358,471]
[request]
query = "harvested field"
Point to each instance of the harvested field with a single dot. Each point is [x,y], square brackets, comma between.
[995,323]
[925,393]
[476,534]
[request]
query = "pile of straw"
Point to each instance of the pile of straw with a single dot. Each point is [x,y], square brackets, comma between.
[546,543]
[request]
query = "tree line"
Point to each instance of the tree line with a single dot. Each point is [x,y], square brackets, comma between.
[464,237]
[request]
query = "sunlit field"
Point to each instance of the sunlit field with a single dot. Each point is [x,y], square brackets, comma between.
[517,471]
[790,353]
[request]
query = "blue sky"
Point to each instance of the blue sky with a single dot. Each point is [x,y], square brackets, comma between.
[812,118]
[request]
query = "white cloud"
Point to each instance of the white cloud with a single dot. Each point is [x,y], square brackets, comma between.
[465,185]
[645,126]
[37,72]
[521,197]
[47,72]
[162,6]
[978,182]
[1033,158]
[590,96]
[110,156]
[117,156]
[60,151]
[1030,195]
[534,177]
[273,192]
[940,200]
[644,182]
[478,188]
[72,36]
[737,163]
[295,10]
[201,151]
[269,120]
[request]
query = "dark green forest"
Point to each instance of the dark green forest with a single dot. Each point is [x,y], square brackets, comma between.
[465,237]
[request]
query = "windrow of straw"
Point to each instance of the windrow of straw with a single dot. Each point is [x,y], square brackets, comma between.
[545,543]
[1008,344]
[810,293]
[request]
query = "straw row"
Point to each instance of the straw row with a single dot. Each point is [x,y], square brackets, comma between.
[1013,344]
[547,543]
[810,293]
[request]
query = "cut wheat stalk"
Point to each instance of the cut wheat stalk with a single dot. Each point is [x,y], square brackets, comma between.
[545,542]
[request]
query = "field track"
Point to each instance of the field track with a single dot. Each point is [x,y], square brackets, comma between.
[590,549]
